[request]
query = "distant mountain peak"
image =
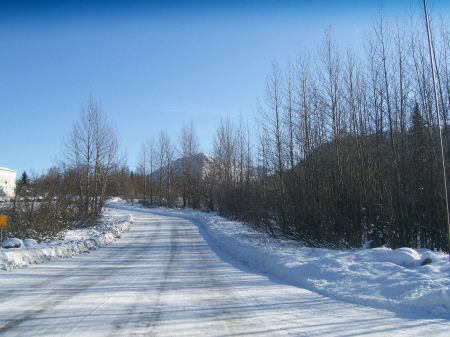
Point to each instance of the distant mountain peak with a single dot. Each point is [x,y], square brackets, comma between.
[200,162]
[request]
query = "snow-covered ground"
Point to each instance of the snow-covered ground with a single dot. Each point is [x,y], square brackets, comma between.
[75,242]
[167,276]
[379,277]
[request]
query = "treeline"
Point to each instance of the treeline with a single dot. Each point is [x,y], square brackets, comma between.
[349,146]
[346,148]
[169,173]
[73,193]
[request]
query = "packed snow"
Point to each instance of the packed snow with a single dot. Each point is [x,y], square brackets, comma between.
[377,277]
[16,253]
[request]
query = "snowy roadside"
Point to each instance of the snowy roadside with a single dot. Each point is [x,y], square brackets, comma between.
[75,242]
[379,277]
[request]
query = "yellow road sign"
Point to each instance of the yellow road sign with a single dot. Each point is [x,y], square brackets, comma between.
[3,221]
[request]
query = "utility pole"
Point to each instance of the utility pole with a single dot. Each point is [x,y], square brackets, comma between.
[436,99]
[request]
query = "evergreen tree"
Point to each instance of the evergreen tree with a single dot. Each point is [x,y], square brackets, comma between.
[24,179]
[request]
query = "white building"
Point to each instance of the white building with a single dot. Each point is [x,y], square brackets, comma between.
[7,182]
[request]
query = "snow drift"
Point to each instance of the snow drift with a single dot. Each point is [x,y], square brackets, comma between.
[75,242]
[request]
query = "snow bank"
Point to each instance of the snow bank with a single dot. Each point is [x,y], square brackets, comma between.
[30,243]
[379,277]
[75,242]
[12,243]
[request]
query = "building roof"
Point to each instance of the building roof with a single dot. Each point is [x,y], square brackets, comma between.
[6,169]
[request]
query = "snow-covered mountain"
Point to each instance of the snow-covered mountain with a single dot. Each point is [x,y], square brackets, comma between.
[201,163]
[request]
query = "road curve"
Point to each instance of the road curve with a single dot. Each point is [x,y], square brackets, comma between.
[163,279]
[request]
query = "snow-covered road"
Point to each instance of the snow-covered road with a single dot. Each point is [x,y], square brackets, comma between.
[163,279]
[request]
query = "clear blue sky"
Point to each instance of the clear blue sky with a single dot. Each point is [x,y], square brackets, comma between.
[152,65]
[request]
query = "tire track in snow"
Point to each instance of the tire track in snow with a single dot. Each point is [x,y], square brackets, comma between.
[148,321]
[223,312]
[119,323]
[54,297]
[156,314]
[142,252]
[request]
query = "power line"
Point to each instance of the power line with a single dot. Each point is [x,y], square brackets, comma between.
[433,71]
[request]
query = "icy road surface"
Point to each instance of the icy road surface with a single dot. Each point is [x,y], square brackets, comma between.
[163,279]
